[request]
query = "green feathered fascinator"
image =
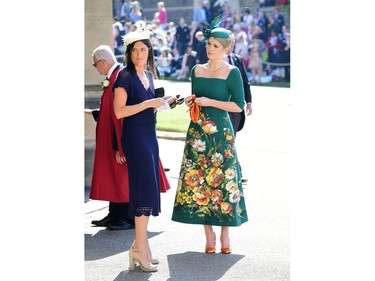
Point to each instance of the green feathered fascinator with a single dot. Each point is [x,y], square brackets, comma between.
[215,31]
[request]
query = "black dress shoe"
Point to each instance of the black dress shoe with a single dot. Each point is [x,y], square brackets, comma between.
[121,226]
[167,169]
[103,222]
[244,180]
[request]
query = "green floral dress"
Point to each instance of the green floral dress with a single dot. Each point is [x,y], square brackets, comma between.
[209,187]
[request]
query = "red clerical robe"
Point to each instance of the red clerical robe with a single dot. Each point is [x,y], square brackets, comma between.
[110,179]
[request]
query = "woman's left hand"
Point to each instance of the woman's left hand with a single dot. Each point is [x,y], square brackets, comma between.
[189,100]
[202,101]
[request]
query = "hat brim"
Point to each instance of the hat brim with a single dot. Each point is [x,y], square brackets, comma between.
[135,36]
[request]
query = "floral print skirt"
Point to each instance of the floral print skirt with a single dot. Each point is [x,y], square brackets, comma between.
[209,187]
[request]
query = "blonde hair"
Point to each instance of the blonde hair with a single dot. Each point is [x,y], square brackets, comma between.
[225,42]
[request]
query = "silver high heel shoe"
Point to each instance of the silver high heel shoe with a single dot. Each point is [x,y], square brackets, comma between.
[149,267]
[153,260]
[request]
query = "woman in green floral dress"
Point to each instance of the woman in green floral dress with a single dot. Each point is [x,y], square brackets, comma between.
[209,190]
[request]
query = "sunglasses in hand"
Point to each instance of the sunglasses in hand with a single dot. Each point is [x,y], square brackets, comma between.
[177,101]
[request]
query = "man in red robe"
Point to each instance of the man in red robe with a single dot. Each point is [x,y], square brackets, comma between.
[110,173]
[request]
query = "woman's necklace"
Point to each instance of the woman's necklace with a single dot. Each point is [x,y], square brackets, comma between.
[214,69]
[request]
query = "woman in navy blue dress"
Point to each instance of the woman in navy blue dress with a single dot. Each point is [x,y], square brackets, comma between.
[135,102]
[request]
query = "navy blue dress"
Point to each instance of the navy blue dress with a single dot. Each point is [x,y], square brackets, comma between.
[140,146]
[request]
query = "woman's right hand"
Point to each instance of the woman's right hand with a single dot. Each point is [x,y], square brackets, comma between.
[155,103]
[169,99]
[189,100]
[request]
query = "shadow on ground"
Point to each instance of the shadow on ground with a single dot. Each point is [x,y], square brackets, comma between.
[106,243]
[193,262]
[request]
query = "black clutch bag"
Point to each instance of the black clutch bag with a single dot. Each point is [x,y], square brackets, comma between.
[159,92]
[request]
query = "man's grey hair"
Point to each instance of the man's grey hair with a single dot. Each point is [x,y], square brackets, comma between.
[104,52]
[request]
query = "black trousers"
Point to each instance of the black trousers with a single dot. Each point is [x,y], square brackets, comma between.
[235,117]
[120,212]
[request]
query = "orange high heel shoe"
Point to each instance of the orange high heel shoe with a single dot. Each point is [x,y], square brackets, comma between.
[148,267]
[226,250]
[211,250]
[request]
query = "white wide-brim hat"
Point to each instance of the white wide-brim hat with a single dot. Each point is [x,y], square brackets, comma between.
[140,33]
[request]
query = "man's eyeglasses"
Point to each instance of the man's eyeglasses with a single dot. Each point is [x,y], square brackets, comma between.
[95,63]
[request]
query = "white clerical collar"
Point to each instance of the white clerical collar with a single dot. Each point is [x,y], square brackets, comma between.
[111,69]
[226,57]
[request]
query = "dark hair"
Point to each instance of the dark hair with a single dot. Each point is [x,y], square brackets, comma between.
[150,60]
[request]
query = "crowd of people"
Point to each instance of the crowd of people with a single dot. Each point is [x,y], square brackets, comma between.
[262,40]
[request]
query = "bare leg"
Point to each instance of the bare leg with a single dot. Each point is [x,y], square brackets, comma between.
[141,237]
[141,251]
[253,72]
[210,239]
[225,241]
